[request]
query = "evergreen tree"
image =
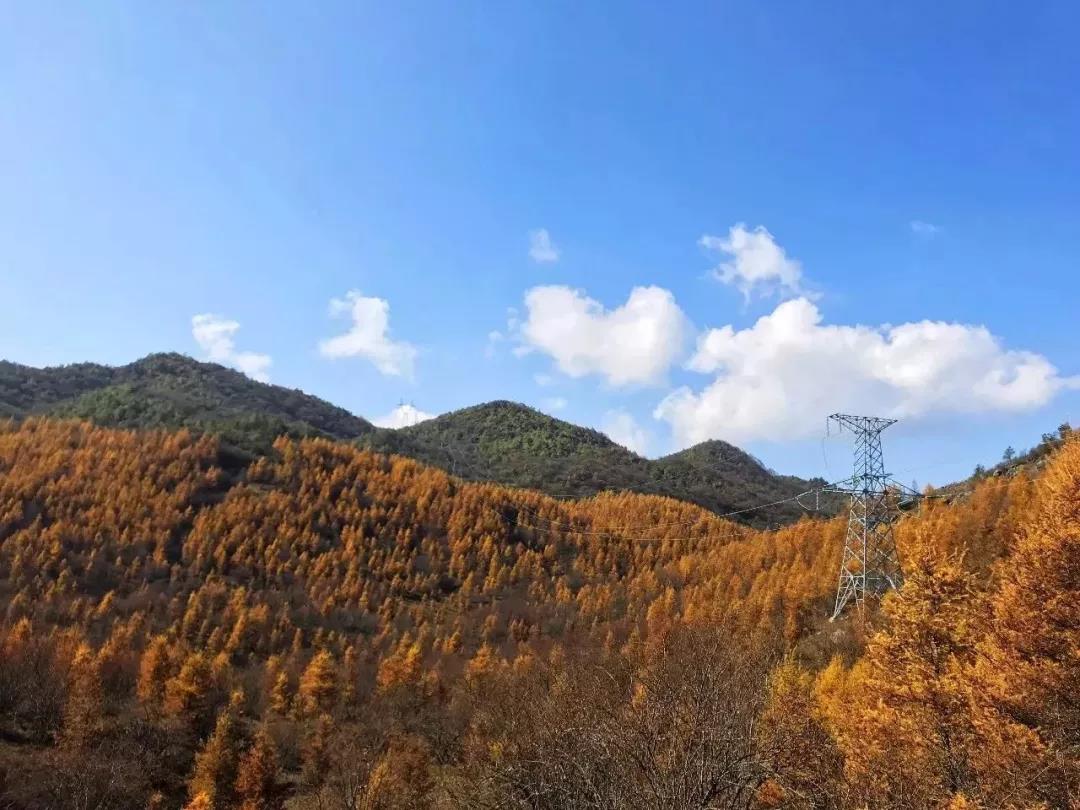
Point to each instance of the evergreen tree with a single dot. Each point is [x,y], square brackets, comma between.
[1027,678]
[318,685]
[317,753]
[257,775]
[191,696]
[905,729]
[214,776]
[153,674]
[84,712]
[805,765]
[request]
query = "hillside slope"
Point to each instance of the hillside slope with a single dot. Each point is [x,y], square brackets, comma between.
[503,442]
[337,616]
[519,446]
[173,391]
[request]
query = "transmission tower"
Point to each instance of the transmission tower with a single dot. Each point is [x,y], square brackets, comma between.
[870,564]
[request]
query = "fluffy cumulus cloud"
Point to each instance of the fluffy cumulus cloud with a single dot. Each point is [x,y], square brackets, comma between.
[216,337]
[635,343]
[369,336]
[403,415]
[754,262]
[622,428]
[779,377]
[541,249]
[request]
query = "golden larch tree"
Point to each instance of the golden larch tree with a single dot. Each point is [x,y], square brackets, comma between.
[1027,677]
[318,685]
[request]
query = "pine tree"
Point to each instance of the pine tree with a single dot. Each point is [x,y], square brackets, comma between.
[317,753]
[257,775]
[216,764]
[804,762]
[318,685]
[1027,678]
[281,694]
[482,665]
[401,778]
[191,696]
[200,802]
[906,728]
[402,667]
[153,673]
[84,712]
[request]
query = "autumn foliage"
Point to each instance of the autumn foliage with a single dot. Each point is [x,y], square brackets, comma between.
[341,629]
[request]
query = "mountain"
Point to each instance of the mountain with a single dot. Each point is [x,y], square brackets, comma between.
[519,446]
[503,442]
[339,623]
[173,391]
[723,478]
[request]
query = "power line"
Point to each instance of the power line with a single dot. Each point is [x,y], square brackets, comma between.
[735,530]
[554,524]
[611,530]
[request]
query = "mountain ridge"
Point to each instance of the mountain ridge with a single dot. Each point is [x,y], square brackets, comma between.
[500,441]
[522,446]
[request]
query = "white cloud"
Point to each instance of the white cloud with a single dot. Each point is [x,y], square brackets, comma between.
[623,429]
[543,380]
[369,336]
[634,343]
[541,249]
[403,415]
[554,403]
[494,338]
[755,262]
[926,229]
[215,336]
[778,378]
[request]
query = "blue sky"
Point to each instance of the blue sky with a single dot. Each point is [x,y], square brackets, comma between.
[909,170]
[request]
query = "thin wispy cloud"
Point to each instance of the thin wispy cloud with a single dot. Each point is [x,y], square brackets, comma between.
[541,249]
[494,338]
[925,229]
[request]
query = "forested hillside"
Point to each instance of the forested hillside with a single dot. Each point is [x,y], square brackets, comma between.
[174,391]
[503,442]
[516,445]
[341,629]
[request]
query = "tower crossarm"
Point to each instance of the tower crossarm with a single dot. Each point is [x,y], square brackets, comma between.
[858,424]
[860,484]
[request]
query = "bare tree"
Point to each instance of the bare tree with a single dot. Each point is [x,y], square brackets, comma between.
[671,730]
[344,785]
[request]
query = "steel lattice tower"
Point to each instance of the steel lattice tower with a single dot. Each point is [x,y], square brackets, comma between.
[870,564]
